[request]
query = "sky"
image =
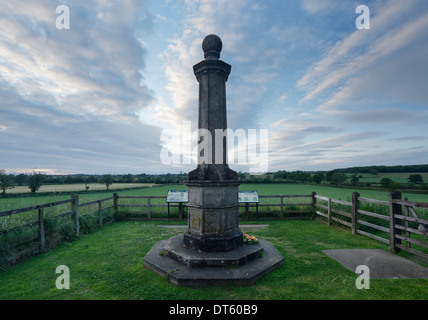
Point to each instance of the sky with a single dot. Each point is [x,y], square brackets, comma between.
[97,97]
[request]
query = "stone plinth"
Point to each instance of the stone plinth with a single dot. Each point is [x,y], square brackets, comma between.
[213,216]
[175,249]
[185,267]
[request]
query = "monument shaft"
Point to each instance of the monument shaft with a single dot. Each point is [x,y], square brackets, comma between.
[213,206]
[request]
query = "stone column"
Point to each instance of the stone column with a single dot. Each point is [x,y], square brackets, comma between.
[213,187]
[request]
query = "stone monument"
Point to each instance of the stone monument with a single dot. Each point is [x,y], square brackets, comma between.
[212,250]
[213,186]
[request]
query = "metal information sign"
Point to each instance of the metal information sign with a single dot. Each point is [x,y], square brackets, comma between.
[244,196]
[248,197]
[180,197]
[176,196]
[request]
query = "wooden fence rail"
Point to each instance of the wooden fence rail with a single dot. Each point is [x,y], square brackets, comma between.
[147,209]
[391,227]
[396,222]
[41,216]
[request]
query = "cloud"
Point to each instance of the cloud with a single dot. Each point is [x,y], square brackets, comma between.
[386,116]
[387,62]
[250,49]
[69,99]
[91,69]
[41,137]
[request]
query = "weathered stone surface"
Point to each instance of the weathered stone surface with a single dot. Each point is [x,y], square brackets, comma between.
[211,242]
[182,275]
[196,259]
[212,46]
[213,223]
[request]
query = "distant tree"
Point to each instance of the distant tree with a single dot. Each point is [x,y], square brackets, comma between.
[280,175]
[338,178]
[393,186]
[318,177]
[415,178]
[69,179]
[241,175]
[107,180]
[35,181]
[21,179]
[329,174]
[385,182]
[7,181]
[373,171]
[128,178]
[354,179]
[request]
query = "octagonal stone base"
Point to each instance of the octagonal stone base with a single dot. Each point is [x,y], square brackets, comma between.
[185,267]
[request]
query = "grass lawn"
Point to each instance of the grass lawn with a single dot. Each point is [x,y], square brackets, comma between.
[107,264]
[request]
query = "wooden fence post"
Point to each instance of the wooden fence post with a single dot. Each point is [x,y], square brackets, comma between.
[329,211]
[180,210]
[314,202]
[406,224]
[116,206]
[75,209]
[149,209]
[355,208]
[247,211]
[41,228]
[394,209]
[100,213]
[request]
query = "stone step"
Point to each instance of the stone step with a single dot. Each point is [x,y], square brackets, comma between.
[180,274]
[197,259]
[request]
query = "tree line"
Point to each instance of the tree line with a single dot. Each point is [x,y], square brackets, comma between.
[386,169]
[336,177]
[35,180]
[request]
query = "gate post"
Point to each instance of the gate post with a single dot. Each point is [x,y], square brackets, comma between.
[355,208]
[394,209]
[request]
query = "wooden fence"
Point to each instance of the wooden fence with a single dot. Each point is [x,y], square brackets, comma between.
[69,214]
[400,223]
[389,224]
[271,207]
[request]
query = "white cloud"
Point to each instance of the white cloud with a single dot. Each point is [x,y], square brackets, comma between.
[70,98]
[356,61]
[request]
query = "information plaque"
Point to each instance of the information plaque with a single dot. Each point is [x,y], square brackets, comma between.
[248,196]
[176,196]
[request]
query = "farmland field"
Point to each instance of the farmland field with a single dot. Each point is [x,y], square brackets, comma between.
[263,189]
[78,187]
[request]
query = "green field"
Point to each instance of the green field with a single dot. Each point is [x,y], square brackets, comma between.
[77,187]
[400,177]
[107,264]
[263,189]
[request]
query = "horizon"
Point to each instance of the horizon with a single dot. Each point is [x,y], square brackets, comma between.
[96,97]
[248,173]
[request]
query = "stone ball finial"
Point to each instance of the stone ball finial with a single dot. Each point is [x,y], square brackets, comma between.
[212,46]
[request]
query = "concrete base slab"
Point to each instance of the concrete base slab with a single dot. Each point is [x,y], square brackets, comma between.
[381,264]
[180,274]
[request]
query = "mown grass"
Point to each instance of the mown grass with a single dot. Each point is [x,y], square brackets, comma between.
[107,264]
